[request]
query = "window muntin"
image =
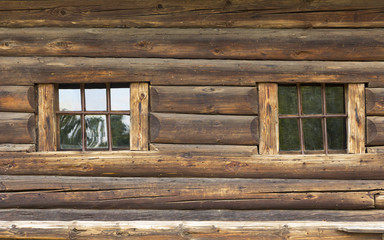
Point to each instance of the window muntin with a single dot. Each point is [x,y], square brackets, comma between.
[312,118]
[102,122]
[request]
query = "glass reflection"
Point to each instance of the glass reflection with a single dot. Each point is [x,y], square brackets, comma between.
[96,131]
[120,99]
[70,132]
[69,99]
[95,97]
[336,131]
[311,99]
[120,125]
[287,99]
[289,134]
[313,134]
[335,99]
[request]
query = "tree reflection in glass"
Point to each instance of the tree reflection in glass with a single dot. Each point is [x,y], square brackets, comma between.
[96,131]
[120,125]
[70,132]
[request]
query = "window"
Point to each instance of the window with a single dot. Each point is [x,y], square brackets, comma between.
[94,116]
[312,118]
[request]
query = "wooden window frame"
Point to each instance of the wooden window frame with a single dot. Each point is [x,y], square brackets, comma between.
[47,119]
[269,118]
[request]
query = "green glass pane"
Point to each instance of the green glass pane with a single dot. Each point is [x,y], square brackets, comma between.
[96,131]
[287,99]
[311,99]
[70,132]
[336,131]
[334,96]
[313,134]
[289,134]
[120,125]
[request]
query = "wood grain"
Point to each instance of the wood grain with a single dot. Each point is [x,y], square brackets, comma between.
[374,99]
[17,99]
[194,164]
[356,118]
[31,70]
[379,200]
[250,44]
[185,193]
[235,150]
[269,118]
[375,131]
[379,149]
[203,129]
[184,230]
[17,127]
[17,147]
[139,116]
[206,100]
[47,125]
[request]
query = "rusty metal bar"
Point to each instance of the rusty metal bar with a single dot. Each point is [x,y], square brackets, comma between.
[109,130]
[84,137]
[300,109]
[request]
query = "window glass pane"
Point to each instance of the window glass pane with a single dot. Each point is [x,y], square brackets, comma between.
[287,99]
[289,134]
[69,99]
[95,97]
[120,125]
[96,131]
[120,99]
[313,134]
[311,99]
[335,99]
[336,130]
[70,132]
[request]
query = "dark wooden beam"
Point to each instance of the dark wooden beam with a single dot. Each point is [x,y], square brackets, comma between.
[17,127]
[17,99]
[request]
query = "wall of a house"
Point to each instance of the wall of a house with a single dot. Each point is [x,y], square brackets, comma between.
[204,176]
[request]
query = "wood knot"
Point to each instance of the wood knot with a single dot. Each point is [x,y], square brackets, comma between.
[144,45]
[159,6]
[59,12]
[7,45]
[62,45]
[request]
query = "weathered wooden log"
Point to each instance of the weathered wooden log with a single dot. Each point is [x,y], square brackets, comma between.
[17,127]
[189,215]
[207,99]
[185,193]
[184,230]
[374,101]
[17,99]
[199,13]
[17,147]
[379,149]
[250,44]
[375,131]
[220,164]
[227,150]
[379,200]
[30,70]
[356,118]
[203,129]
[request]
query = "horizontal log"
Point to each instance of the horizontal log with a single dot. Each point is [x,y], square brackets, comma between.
[219,164]
[183,230]
[250,44]
[234,150]
[17,147]
[255,14]
[203,129]
[379,149]
[17,99]
[374,101]
[189,215]
[375,131]
[31,70]
[185,193]
[207,99]
[17,127]
[379,200]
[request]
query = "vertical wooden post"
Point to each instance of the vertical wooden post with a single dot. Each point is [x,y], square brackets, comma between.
[46,118]
[356,118]
[139,116]
[268,118]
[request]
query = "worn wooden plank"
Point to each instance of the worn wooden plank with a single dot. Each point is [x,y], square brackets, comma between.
[235,150]
[250,44]
[375,131]
[185,193]
[269,118]
[17,99]
[206,100]
[139,116]
[17,127]
[154,164]
[47,124]
[199,13]
[203,129]
[17,147]
[379,200]
[31,70]
[379,149]
[374,100]
[183,230]
[190,215]
[356,118]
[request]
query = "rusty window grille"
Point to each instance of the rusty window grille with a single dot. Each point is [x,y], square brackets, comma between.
[312,118]
[93,116]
